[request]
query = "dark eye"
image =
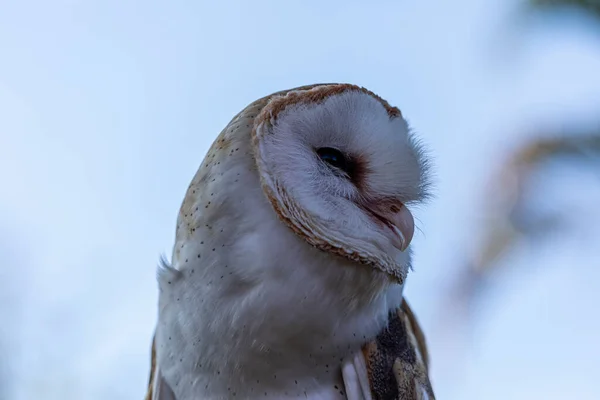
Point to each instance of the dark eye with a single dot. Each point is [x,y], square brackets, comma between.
[333,157]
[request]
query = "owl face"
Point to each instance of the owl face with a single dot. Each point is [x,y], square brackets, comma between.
[340,168]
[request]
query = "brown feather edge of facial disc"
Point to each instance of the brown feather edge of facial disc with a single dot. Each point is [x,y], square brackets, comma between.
[315,94]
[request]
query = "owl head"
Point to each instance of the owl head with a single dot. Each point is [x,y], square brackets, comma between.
[341,168]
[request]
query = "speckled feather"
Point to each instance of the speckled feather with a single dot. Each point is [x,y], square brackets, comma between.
[215,237]
[396,361]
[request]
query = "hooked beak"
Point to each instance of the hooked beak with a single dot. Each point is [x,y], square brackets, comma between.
[398,221]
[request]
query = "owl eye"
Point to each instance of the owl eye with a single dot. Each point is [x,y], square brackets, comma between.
[333,157]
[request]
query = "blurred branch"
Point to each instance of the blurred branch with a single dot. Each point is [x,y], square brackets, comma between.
[510,217]
[509,192]
[589,7]
[509,220]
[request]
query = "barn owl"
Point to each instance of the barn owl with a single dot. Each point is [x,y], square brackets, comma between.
[291,254]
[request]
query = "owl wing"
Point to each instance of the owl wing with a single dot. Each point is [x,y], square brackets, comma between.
[158,389]
[394,366]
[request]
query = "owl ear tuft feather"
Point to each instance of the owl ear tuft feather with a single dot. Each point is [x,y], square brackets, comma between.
[165,273]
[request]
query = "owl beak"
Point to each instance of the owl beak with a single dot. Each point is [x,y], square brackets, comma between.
[403,225]
[399,224]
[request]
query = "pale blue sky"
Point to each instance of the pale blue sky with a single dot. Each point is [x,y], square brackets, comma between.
[107,108]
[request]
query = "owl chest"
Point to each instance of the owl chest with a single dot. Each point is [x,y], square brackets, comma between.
[205,366]
[250,391]
[223,356]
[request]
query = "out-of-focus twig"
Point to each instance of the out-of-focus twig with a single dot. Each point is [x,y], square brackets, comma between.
[508,190]
[589,7]
[510,218]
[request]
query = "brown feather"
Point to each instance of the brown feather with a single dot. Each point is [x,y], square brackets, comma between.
[417,331]
[397,359]
[152,369]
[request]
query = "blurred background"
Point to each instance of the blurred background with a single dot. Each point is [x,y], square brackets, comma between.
[108,107]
